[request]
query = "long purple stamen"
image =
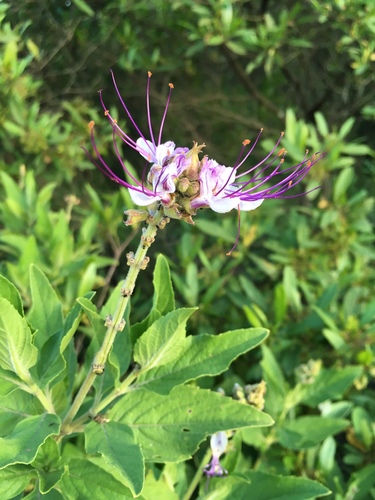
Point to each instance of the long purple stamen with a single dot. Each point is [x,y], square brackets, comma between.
[171,87]
[148,108]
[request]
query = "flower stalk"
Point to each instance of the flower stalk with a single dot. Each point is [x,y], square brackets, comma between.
[136,262]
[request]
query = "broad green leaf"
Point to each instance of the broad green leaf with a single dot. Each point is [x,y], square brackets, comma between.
[14,479]
[163,291]
[115,442]
[46,312]
[9,292]
[14,407]
[22,444]
[330,384]
[17,353]
[202,355]
[48,465]
[309,431]
[87,480]
[264,486]
[51,495]
[163,341]
[170,428]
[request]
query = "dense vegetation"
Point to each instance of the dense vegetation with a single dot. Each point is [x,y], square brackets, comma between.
[303,267]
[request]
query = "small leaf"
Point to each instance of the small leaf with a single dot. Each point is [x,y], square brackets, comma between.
[9,291]
[276,385]
[17,353]
[163,341]
[163,291]
[22,444]
[170,428]
[308,431]
[46,312]
[115,442]
[342,183]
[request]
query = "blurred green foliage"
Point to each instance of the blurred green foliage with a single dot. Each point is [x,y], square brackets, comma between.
[304,268]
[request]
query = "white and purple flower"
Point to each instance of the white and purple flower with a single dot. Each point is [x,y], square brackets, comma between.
[218,443]
[180,182]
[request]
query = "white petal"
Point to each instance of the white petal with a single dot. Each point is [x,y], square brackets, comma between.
[147,150]
[143,199]
[250,205]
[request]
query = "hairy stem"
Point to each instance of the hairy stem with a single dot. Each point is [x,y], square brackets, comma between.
[116,322]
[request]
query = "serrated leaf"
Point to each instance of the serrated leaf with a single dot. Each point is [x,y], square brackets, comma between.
[17,353]
[308,431]
[83,478]
[264,486]
[163,341]
[46,311]
[202,355]
[22,444]
[115,442]
[170,428]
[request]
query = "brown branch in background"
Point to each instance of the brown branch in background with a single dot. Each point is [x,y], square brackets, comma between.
[249,86]
[117,252]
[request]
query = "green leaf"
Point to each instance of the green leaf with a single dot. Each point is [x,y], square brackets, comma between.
[87,480]
[170,428]
[84,7]
[9,291]
[17,353]
[276,385]
[343,182]
[22,444]
[264,486]
[309,431]
[14,479]
[115,442]
[202,355]
[330,384]
[163,341]
[8,382]
[46,312]
[14,407]
[48,465]
[163,291]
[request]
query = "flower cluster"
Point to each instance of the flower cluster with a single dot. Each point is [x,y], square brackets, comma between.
[180,182]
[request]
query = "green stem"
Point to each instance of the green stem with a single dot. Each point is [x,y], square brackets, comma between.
[198,475]
[116,323]
[37,392]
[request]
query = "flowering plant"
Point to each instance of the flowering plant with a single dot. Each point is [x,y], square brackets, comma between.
[131,401]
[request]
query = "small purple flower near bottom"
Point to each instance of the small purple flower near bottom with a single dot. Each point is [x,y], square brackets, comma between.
[218,443]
